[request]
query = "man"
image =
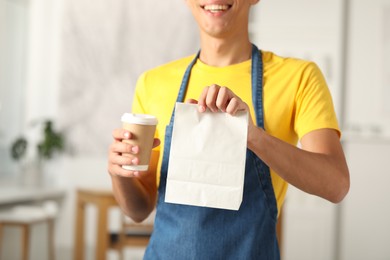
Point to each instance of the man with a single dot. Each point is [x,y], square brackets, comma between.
[288,100]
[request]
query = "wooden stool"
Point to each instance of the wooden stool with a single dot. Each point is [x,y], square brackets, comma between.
[103,200]
[132,235]
[24,217]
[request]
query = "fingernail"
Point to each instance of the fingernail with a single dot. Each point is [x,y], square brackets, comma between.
[202,108]
[136,174]
[134,149]
[126,135]
[134,161]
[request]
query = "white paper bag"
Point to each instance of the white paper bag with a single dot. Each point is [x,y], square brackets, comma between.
[207,158]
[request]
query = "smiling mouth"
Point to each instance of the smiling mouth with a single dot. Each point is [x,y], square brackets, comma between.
[216,8]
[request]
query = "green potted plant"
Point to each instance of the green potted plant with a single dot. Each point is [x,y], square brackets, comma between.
[51,142]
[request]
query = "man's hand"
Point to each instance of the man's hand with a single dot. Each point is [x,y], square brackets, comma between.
[218,98]
[116,151]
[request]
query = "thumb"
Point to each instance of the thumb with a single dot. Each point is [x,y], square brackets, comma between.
[156,142]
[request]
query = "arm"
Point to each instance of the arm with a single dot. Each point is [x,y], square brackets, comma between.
[135,192]
[318,168]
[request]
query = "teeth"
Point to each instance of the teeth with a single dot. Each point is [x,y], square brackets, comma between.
[216,8]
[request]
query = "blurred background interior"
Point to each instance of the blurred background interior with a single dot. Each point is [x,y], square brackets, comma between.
[68,71]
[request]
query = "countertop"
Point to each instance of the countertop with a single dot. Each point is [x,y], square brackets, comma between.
[14,194]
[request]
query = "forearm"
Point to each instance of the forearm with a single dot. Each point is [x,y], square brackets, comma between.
[134,198]
[319,173]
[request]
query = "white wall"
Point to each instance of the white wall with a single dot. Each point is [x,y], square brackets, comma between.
[368,68]
[365,218]
[13,37]
[310,223]
[365,213]
[43,59]
[357,228]
[43,82]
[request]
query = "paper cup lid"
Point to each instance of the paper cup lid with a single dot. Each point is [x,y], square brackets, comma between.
[139,119]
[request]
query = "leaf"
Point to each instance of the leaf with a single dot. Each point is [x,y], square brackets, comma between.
[19,148]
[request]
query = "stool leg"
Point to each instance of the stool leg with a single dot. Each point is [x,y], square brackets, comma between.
[25,241]
[102,237]
[50,237]
[79,229]
[122,237]
[1,240]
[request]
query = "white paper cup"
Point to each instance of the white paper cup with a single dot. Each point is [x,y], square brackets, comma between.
[142,128]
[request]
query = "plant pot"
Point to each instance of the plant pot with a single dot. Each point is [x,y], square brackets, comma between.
[31,173]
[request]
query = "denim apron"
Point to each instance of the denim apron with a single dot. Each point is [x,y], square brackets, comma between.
[188,232]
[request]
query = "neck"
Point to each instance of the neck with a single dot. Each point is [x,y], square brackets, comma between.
[224,52]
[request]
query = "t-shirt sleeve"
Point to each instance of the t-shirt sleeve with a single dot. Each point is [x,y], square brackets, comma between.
[314,105]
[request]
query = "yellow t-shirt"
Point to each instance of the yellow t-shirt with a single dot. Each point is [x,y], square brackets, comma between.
[296,97]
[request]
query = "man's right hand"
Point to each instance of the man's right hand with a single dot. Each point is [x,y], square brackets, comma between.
[116,150]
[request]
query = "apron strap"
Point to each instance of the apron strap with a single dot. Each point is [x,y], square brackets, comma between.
[183,86]
[257,85]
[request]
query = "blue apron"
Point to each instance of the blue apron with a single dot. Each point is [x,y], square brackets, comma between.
[187,232]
